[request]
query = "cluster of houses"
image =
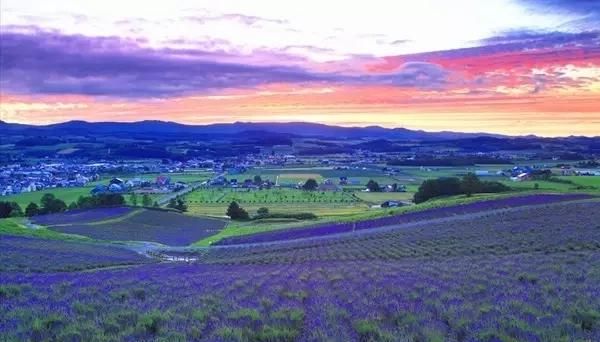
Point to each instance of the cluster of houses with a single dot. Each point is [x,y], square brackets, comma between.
[16,178]
[161,185]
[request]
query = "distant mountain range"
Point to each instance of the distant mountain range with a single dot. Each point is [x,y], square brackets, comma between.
[298,129]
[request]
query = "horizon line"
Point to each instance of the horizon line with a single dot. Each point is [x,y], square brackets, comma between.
[340,125]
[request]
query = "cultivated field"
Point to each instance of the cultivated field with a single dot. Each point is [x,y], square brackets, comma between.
[434,213]
[28,254]
[169,228]
[215,201]
[525,274]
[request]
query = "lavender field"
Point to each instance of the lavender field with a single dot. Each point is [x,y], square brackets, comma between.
[166,227]
[523,275]
[25,254]
[82,216]
[335,228]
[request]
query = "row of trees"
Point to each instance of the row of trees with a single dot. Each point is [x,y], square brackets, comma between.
[178,204]
[236,212]
[145,201]
[48,204]
[448,186]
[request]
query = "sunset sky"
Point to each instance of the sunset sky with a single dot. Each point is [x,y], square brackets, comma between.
[507,66]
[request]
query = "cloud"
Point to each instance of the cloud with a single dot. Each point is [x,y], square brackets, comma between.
[50,63]
[573,6]
[248,20]
[588,10]
[38,62]
[417,74]
[536,39]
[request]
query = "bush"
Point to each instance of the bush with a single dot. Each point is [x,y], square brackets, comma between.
[235,212]
[10,209]
[152,322]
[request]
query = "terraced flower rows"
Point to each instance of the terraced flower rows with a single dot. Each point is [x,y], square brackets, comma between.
[335,228]
[520,275]
[25,254]
[554,228]
[169,228]
[82,216]
[525,297]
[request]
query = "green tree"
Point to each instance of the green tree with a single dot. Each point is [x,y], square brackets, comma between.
[263,211]
[235,212]
[373,186]
[470,184]
[146,200]
[51,204]
[32,209]
[310,185]
[431,188]
[10,209]
[181,206]
[258,180]
[133,199]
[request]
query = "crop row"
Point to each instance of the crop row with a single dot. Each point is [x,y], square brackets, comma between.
[523,297]
[335,228]
[26,254]
[82,216]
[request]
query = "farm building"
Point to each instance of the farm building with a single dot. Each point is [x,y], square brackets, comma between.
[328,185]
[163,180]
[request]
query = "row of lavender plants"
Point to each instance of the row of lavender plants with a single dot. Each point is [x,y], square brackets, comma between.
[523,297]
[569,226]
[336,228]
[82,216]
[27,254]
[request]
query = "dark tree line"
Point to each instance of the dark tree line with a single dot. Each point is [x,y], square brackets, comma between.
[178,204]
[448,186]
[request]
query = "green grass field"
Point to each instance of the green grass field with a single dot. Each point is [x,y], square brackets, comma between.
[557,186]
[380,197]
[66,194]
[584,180]
[214,202]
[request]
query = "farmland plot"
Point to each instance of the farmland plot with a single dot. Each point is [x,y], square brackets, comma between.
[164,227]
[39,255]
[334,228]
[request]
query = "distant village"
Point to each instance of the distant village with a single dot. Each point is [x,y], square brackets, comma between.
[229,172]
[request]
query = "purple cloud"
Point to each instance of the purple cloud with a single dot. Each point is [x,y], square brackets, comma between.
[536,39]
[52,63]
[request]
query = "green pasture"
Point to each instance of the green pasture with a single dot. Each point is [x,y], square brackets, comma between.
[584,180]
[380,197]
[319,209]
[17,226]
[68,195]
[214,202]
[556,186]
[267,196]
